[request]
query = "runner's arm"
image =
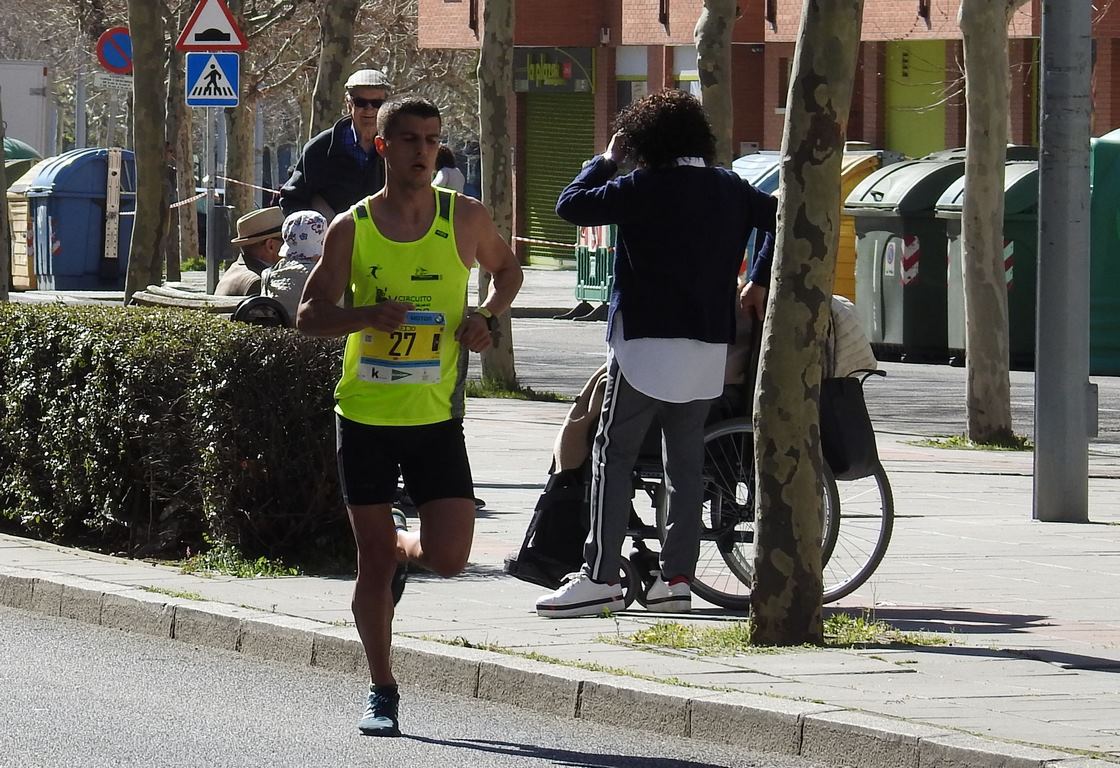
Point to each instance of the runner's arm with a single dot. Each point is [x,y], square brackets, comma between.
[496,257]
[319,313]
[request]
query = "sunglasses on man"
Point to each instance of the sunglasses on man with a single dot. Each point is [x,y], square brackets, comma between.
[361,103]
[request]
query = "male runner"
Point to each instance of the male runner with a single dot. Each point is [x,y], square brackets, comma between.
[405,254]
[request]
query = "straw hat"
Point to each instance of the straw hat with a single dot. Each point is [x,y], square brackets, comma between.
[259,225]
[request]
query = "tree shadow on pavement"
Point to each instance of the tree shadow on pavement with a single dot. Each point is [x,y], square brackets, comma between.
[1070,662]
[564,757]
[957,621]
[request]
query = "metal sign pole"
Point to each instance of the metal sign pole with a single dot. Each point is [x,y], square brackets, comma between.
[211,215]
[111,128]
[80,108]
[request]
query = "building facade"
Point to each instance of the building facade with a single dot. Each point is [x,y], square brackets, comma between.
[578,62]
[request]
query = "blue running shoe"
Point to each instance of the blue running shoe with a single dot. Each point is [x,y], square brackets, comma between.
[380,718]
[401,574]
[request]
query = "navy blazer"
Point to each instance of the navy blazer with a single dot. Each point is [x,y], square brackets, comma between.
[682,236]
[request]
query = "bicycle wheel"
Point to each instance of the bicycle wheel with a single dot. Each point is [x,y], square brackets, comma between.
[725,567]
[866,519]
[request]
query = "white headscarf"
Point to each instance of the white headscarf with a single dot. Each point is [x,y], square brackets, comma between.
[303,234]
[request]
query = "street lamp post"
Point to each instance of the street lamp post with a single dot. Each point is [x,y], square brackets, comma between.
[1065,406]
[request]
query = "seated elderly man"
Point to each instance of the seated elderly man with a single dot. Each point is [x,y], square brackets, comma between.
[303,234]
[258,234]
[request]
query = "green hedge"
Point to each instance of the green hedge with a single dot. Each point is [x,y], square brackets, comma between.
[151,431]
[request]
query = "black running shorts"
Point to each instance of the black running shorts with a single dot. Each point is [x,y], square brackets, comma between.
[432,458]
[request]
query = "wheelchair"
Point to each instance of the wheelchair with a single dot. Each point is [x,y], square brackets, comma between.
[857,517]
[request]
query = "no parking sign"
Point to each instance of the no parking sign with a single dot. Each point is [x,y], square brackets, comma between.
[114,51]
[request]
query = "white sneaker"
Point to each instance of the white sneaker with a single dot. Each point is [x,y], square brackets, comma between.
[669,598]
[580,596]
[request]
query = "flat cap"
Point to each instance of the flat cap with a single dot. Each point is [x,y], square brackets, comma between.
[365,78]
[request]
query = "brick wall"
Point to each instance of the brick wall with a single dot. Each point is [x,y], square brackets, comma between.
[1106,20]
[866,122]
[1023,104]
[444,23]
[660,72]
[748,72]
[606,95]
[898,19]
[641,25]
[1106,88]
[773,120]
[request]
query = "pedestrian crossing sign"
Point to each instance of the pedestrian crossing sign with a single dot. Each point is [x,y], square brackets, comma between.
[213,79]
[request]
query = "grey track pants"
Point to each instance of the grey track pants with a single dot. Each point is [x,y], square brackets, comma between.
[623,424]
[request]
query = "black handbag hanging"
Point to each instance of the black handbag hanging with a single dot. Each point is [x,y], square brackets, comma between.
[847,435]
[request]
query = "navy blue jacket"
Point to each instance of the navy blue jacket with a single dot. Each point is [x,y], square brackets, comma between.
[327,169]
[682,235]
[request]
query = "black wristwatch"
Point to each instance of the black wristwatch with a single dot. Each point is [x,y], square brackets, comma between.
[488,316]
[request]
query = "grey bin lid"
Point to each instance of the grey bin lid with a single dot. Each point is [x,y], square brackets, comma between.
[1020,192]
[911,187]
[755,167]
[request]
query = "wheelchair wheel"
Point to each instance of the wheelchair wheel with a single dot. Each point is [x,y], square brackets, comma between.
[725,567]
[866,521]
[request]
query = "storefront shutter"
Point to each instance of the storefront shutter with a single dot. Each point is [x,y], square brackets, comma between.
[559,137]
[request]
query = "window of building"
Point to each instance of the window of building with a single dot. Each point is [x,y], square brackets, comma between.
[630,90]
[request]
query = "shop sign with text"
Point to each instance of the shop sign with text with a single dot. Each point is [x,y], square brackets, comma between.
[554,70]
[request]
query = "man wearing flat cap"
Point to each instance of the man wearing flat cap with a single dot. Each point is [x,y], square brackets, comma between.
[340,166]
[258,234]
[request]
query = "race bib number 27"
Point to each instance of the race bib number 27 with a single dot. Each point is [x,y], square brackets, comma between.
[408,355]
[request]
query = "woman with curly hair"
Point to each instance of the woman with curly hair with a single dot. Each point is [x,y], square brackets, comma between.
[683,226]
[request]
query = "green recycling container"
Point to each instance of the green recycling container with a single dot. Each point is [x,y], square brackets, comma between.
[1020,260]
[1104,255]
[901,256]
[595,262]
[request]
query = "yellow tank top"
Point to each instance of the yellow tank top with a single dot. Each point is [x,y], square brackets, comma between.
[415,374]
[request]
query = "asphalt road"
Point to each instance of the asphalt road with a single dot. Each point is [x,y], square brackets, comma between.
[560,355]
[73,694]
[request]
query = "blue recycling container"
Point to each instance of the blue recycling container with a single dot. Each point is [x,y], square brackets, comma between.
[762,171]
[67,204]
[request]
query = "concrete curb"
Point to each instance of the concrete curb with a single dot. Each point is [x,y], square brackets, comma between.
[819,732]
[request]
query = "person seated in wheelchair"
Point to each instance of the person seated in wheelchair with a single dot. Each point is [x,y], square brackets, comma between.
[683,226]
[303,233]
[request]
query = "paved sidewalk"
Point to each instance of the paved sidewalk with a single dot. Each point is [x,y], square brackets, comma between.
[1031,612]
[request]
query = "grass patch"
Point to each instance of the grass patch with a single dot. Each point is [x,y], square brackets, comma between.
[841,630]
[705,641]
[477,388]
[226,560]
[175,593]
[961,442]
